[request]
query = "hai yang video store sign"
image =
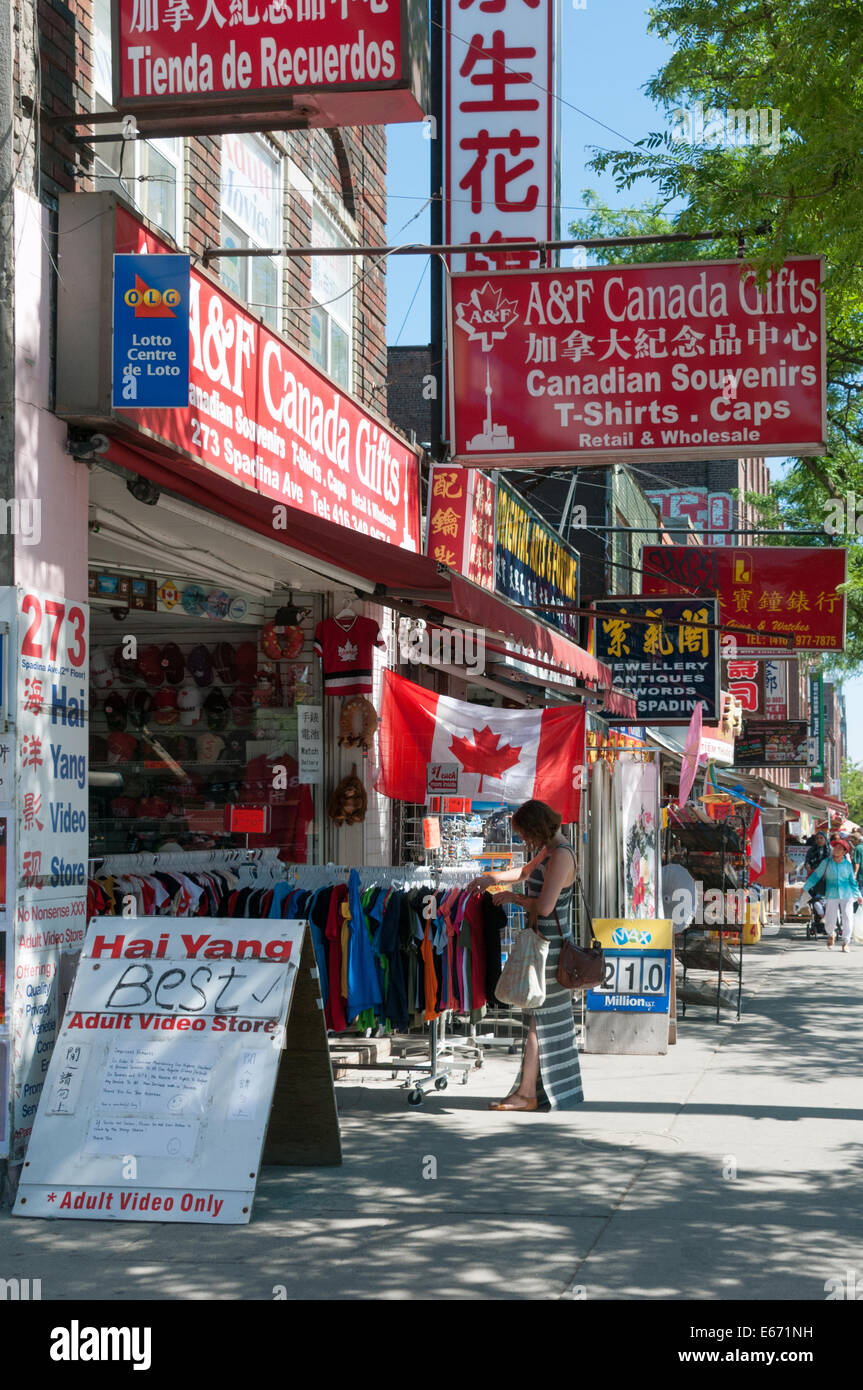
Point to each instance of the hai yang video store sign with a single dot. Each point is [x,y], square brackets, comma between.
[189,66]
[640,362]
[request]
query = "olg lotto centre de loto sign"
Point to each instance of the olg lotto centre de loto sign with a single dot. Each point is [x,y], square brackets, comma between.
[646,361]
[326,62]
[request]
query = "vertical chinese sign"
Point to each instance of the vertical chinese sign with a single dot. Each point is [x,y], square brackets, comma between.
[52,838]
[461,522]
[500,128]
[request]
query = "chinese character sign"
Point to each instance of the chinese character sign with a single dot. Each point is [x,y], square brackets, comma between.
[768,596]
[533,565]
[198,53]
[461,522]
[665,651]
[499,127]
[641,362]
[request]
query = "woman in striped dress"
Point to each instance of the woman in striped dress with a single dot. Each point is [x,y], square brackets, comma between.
[550,1075]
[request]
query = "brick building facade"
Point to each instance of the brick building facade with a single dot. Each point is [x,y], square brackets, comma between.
[330,184]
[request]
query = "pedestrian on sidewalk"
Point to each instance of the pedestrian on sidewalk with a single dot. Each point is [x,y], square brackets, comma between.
[840,889]
[550,1075]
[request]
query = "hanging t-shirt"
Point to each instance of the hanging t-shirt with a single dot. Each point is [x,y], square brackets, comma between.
[345,647]
[292,807]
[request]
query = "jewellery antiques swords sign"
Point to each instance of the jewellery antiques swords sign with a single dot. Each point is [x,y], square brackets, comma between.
[297,62]
[669,662]
[646,362]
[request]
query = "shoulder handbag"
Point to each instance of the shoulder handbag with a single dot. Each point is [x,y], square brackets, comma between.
[522,980]
[577,968]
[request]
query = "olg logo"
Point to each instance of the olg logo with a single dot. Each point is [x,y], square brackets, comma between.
[843,516]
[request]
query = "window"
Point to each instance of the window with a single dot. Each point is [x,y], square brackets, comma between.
[252,216]
[331,325]
[147,172]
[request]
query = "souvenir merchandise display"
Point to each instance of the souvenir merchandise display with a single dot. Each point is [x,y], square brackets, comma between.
[348,803]
[382,960]
[191,717]
[345,645]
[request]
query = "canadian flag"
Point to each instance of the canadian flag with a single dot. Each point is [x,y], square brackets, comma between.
[501,754]
[756,846]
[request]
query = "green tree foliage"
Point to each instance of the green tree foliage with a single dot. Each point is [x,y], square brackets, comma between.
[800,180]
[852,790]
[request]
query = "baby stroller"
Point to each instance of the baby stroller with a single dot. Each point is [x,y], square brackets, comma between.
[817,907]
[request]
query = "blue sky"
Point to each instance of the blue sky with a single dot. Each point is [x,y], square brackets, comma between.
[607,57]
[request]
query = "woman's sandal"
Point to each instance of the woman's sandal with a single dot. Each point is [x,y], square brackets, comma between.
[505,1104]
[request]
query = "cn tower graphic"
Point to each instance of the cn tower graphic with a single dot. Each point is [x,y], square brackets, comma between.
[493,437]
[407,541]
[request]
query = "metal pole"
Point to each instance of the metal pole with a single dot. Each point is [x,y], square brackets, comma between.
[462,248]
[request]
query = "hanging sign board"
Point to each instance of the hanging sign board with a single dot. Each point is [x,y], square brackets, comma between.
[669,663]
[257,414]
[773,743]
[502,172]
[270,63]
[532,563]
[636,362]
[160,1089]
[784,593]
[151,331]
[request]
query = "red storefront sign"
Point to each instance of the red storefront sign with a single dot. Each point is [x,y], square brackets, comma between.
[460,532]
[263,416]
[647,362]
[500,147]
[350,62]
[781,592]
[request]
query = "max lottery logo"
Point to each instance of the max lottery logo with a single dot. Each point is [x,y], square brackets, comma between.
[149,303]
[631,936]
[486,316]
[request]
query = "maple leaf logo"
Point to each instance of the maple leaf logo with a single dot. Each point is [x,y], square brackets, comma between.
[486,315]
[483,755]
[348,652]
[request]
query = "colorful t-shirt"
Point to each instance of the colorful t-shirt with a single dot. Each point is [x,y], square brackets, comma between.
[345,648]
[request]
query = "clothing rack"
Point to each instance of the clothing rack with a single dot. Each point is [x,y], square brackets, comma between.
[187,860]
[428,1070]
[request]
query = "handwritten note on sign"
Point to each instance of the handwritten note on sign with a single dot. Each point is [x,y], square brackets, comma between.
[161,1085]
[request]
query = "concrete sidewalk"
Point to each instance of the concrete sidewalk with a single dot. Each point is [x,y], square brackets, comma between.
[728,1169]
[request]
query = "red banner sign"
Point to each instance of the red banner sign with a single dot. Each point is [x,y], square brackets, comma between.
[460,532]
[780,592]
[357,55]
[499,133]
[647,362]
[264,416]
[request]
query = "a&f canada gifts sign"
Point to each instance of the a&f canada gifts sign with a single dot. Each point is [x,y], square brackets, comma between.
[637,362]
[772,599]
[665,652]
[161,1086]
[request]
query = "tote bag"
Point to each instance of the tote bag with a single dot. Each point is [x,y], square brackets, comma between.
[522,980]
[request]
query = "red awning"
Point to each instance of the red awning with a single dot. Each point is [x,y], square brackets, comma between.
[401,573]
[487,610]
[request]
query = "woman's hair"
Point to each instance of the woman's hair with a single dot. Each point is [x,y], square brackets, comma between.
[536,823]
